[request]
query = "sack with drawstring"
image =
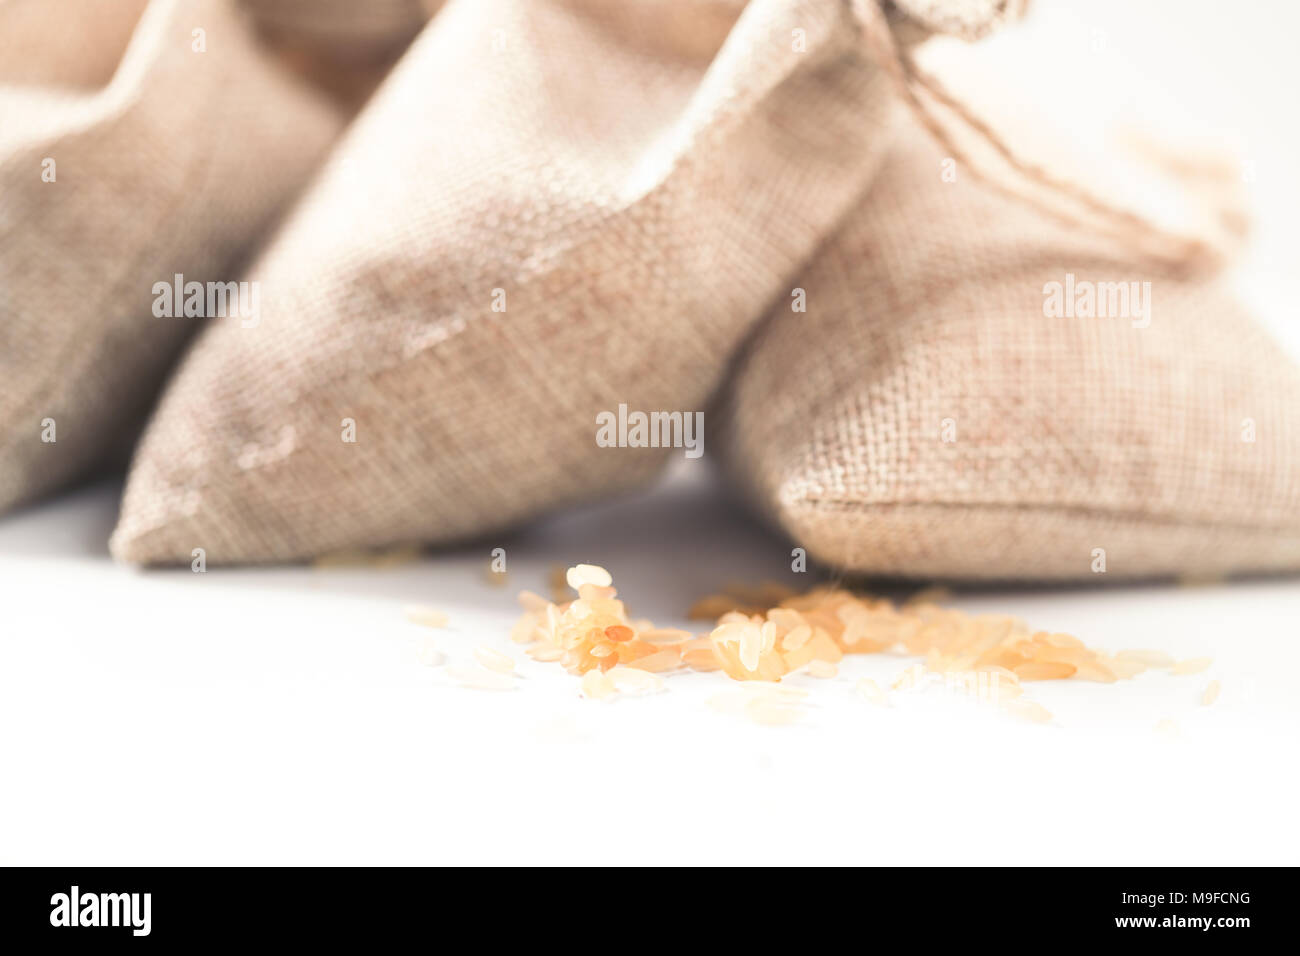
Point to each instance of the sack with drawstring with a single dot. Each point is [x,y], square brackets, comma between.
[549,210]
[988,385]
[138,141]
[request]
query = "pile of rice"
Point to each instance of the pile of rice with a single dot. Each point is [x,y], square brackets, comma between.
[766,633]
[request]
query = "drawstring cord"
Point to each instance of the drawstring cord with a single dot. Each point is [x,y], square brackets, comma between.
[1183,253]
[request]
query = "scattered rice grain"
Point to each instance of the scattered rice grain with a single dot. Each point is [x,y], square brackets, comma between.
[664,635]
[870,691]
[1094,671]
[1044,670]
[429,655]
[797,637]
[1123,667]
[425,616]
[581,574]
[1193,665]
[597,686]
[822,669]
[494,660]
[1147,658]
[1027,710]
[478,678]
[632,680]
[1211,693]
[704,660]
[524,631]
[763,634]
[531,601]
[664,660]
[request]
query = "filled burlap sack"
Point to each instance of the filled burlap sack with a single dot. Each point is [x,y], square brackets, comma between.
[342,47]
[549,209]
[950,405]
[64,43]
[348,29]
[127,156]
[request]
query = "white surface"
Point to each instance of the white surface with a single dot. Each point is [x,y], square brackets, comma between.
[281,715]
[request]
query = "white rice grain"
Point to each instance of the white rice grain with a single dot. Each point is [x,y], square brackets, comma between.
[494,660]
[581,574]
[478,678]
[425,616]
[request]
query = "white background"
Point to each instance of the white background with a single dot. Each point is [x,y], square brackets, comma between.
[281,715]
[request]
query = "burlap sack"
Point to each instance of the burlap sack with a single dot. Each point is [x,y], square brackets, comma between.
[120,166]
[64,43]
[926,417]
[350,29]
[343,47]
[550,208]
